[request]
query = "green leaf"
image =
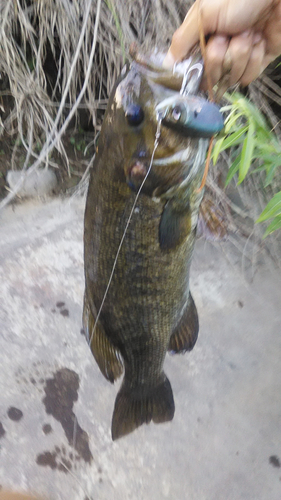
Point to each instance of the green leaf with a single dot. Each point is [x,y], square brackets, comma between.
[233,169]
[266,135]
[253,112]
[247,152]
[269,158]
[235,138]
[273,226]
[271,171]
[272,209]
[217,149]
[227,142]
[231,120]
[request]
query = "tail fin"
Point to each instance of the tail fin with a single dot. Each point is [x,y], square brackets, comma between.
[134,407]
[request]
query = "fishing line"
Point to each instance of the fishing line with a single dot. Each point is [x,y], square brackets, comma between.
[157,135]
[64,466]
[210,92]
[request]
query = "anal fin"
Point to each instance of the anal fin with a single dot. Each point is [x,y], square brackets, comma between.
[134,407]
[105,353]
[185,335]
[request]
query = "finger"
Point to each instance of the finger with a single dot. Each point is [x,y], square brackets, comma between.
[272,33]
[255,64]
[216,50]
[239,51]
[184,38]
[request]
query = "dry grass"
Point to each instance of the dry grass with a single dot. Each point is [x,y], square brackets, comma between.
[58,51]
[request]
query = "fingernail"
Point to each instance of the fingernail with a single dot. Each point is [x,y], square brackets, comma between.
[169,61]
[220,39]
[246,33]
[257,38]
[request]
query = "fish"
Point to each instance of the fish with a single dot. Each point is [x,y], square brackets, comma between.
[139,232]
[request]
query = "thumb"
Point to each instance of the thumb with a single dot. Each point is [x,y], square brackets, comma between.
[184,38]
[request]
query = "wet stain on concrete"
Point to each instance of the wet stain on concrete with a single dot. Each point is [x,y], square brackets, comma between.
[64,312]
[47,428]
[62,309]
[2,430]
[55,459]
[65,465]
[47,459]
[14,414]
[61,393]
[274,461]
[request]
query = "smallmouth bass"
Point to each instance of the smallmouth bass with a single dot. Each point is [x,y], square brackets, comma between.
[148,309]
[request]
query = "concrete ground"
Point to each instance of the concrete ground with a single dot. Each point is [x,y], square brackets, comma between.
[55,406]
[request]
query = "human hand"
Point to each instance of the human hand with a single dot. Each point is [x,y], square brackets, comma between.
[244,38]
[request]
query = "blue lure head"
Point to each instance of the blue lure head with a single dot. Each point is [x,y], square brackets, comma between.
[190,116]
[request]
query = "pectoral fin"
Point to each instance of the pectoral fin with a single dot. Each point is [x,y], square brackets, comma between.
[185,335]
[106,355]
[174,226]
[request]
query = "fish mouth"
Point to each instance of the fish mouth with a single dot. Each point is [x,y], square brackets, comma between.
[178,157]
[139,165]
[183,155]
[195,162]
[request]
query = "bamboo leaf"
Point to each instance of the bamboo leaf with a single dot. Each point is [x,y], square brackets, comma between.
[271,171]
[231,120]
[253,113]
[227,142]
[247,152]
[217,149]
[273,226]
[233,169]
[235,138]
[272,209]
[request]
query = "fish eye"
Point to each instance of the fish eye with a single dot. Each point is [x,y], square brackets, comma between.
[134,115]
